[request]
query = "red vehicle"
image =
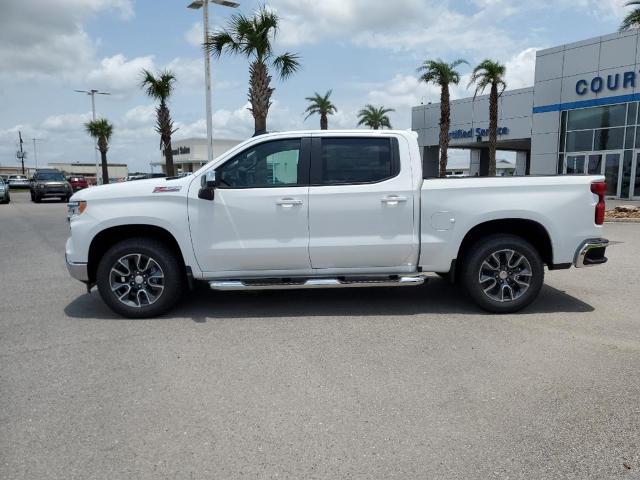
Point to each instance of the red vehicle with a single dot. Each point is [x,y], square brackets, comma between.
[78,182]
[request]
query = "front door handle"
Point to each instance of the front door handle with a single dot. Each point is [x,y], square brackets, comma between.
[288,202]
[393,199]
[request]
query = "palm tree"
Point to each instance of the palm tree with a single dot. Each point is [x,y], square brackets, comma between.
[442,74]
[252,37]
[159,87]
[632,20]
[319,104]
[490,73]
[101,130]
[374,117]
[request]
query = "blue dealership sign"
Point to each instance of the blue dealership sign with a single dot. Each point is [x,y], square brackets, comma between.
[479,132]
[611,82]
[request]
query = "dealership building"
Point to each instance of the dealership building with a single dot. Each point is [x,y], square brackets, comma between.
[190,154]
[580,116]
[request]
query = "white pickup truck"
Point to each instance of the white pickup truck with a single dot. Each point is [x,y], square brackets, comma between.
[330,209]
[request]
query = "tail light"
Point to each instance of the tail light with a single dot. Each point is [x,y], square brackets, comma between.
[599,188]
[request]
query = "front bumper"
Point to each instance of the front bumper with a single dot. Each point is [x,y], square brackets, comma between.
[43,193]
[591,253]
[79,271]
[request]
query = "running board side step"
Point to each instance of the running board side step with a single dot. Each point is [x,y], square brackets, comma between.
[315,283]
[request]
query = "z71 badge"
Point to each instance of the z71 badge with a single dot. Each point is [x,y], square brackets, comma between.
[166,189]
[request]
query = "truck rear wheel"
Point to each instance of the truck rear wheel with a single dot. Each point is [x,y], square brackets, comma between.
[140,278]
[502,273]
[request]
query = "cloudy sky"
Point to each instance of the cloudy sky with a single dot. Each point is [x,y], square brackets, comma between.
[365,50]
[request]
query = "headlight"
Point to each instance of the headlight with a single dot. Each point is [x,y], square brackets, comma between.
[41,185]
[76,208]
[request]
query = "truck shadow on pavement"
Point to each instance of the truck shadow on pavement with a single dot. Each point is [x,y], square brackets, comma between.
[436,297]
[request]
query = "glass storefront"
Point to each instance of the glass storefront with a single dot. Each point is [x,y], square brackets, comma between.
[603,140]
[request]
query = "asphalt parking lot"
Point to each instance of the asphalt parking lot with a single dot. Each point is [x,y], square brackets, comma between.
[366,383]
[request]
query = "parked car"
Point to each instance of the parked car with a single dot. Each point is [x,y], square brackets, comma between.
[47,183]
[18,181]
[330,209]
[77,182]
[5,197]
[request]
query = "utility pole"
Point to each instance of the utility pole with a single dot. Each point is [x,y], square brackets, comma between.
[93,93]
[21,154]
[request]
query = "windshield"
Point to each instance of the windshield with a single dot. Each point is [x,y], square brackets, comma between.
[51,176]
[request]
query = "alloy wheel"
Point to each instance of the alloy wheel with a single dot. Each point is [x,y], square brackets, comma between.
[505,275]
[136,280]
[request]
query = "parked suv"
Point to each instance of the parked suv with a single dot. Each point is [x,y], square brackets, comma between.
[4,192]
[78,182]
[18,181]
[49,183]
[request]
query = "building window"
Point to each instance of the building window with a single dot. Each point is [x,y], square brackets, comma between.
[599,128]
[598,117]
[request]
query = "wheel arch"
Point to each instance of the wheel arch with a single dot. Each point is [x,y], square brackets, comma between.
[527,229]
[108,237]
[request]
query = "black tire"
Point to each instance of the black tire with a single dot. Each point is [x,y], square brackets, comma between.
[445,276]
[37,199]
[33,198]
[515,296]
[165,258]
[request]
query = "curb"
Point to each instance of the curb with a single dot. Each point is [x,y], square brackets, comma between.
[621,220]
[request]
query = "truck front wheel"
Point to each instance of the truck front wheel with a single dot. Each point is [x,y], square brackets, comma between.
[140,278]
[503,273]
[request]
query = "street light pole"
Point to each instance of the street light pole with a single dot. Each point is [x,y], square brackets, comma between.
[35,154]
[207,81]
[204,4]
[93,93]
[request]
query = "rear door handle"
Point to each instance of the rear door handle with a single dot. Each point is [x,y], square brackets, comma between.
[288,202]
[393,199]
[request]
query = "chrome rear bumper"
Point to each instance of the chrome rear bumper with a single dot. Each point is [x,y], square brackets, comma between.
[591,253]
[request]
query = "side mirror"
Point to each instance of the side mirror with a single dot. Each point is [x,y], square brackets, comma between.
[207,186]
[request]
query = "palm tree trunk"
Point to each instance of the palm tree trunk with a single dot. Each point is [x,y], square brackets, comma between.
[168,155]
[105,169]
[493,129]
[259,95]
[444,129]
[324,121]
[165,127]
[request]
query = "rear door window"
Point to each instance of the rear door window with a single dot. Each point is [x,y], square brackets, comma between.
[355,160]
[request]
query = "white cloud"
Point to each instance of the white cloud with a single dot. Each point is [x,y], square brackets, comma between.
[119,74]
[189,71]
[140,115]
[521,69]
[397,25]
[195,35]
[47,37]
[66,122]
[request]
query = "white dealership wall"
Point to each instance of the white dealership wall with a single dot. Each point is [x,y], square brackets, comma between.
[532,115]
[190,154]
